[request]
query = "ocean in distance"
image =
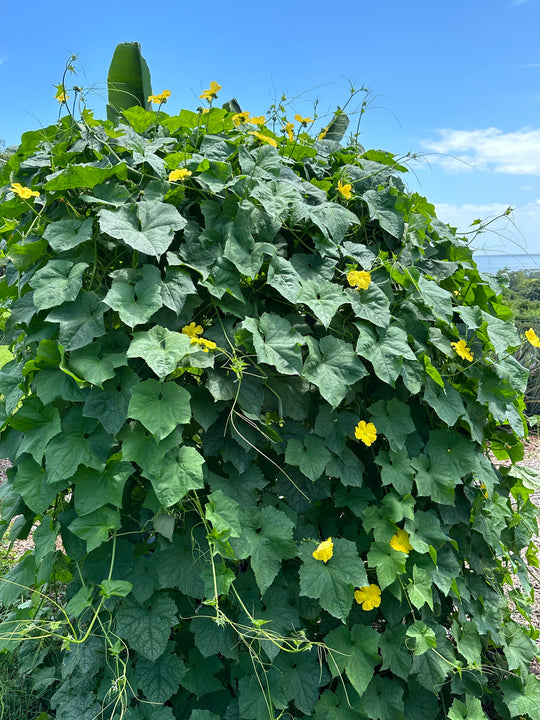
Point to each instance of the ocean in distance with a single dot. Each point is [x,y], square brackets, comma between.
[494,263]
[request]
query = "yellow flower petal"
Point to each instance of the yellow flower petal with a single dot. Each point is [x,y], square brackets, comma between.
[180,174]
[366,432]
[206,345]
[288,128]
[345,189]
[368,596]
[161,98]
[302,120]
[324,551]
[264,138]
[462,350]
[239,118]
[192,330]
[23,192]
[359,279]
[212,92]
[400,542]
[260,120]
[532,337]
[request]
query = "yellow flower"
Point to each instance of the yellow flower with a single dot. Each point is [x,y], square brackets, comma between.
[368,596]
[344,189]
[359,279]
[240,118]
[532,337]
[206,345]
[180,174]
[366,432]
[212,92]
[23,192]
[462,350]
[289,127]
[204,110]
[260,120]
[264,138]
[324,551]
[400,542]
[192,330]
[322,134]
[300,119]
[61,94]
[161,98]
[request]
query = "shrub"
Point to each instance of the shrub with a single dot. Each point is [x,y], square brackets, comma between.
[253,384]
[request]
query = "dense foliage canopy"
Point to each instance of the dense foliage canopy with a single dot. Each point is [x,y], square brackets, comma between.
[253,386]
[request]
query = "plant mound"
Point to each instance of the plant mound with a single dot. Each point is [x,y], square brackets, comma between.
[253,386]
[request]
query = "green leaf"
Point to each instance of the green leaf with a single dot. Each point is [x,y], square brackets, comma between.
[394,650]
[297,677]
[175,289]
[471,709]
[160,348]
[149,712]
[160,407]
[436,298]
[96,526]
[115,588]
[80,602]
[518,649]
[423,636]
[267,540]
[147,627]
[396,470]
[276,343]
[347,467]
[38,423]
[58,282]
[385,349]
[94,489]
[383,699]
[434,480]
[388,563]
[180,472]
[323,298]
[356,654]
[85,175]
[371,304]
[337,127]
[310,456]
[160,679]
[503,334]
[82,442]
[383,206]
[223,513]
[333,367]
[66,234]
[148,227]
[80,321]
[392,419]
[419,588]
[34,486]
[94,364]
[128,80]
[522,698]
[135,294]
[332,583]
[446,401]
[110,404]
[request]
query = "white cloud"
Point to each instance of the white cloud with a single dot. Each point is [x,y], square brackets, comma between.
[518,233]
[514,153]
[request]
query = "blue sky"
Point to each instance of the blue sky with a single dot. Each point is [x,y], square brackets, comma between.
[456,82]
